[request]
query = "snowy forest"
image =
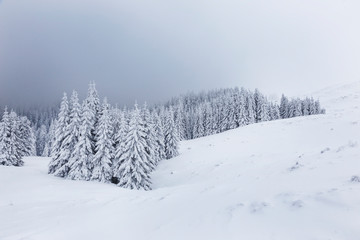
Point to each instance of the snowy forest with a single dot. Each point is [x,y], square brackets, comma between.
[92,140]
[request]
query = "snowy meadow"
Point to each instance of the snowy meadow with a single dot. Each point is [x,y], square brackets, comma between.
[293,178]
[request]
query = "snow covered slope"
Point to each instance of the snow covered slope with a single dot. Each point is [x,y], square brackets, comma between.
[286,179]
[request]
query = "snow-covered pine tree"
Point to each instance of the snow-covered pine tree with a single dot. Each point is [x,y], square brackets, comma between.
[93,103]
[119,142]
[275,112]
[80,160]
[250,108]
[317,107]
[171,141]
[12,147]
[305,107]
[159,137]
[46,151]
[102,160]
[199,130]
[72,135]
[133,169]
[312,107]
[178,115]
[284,107]
[41,135]
[149,136]
[60,152]
[17,143]
[242,116]
[52,136]
[297,112]
[261,112]
[291,108]
[27,137]
[208,119]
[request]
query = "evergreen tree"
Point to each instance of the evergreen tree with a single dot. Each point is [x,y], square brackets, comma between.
[92,101]
[60,151]
[250,108]
[27,137]
[72,134]
[11,151]
[171,141]
[159,137]
[149,136]
[133,169]
[52,136]
[102,161]
[208,119]
[284,108]
[80,160]
[199,130]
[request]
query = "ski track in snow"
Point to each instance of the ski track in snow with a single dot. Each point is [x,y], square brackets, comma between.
[288,179]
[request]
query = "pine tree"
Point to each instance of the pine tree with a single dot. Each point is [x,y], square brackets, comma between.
[312,107]
[242,116]
[60,151]
[72,134]
[52,136]
[133,169]
[317,107]
[291,109]
[275,112]
[284,107]
[11,149]
[27,137]
[80,160]
[41,140]
[93,103]
[102,161]
[297,112]
[261,110]
[159,137]
[171,141]
[208,119]
[149,136]
[250,108]
[305,107]
[199,130]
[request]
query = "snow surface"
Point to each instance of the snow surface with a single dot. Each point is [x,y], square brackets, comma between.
[286,179]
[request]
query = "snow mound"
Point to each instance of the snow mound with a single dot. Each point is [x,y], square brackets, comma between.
[288,179]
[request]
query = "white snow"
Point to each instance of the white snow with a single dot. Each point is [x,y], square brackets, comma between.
[286,179]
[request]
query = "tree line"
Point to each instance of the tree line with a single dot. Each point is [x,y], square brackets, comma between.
[207,113]
[91,140]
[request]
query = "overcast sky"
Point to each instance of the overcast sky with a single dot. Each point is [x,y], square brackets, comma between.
[152,50]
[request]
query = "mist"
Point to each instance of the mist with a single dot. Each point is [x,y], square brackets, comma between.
[153,50]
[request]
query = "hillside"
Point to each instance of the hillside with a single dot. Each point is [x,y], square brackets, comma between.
[285,179]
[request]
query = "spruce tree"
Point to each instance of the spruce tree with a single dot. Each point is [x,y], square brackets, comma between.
[159,137]
[27,136]
[284,107]
[11,148]
[171,141]
[119,140]
[92,101]
[149,136]
[72,134]
[133,169]
[80,160]
[102,160]
[60,151]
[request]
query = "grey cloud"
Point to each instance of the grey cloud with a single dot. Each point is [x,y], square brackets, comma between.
[152,50]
